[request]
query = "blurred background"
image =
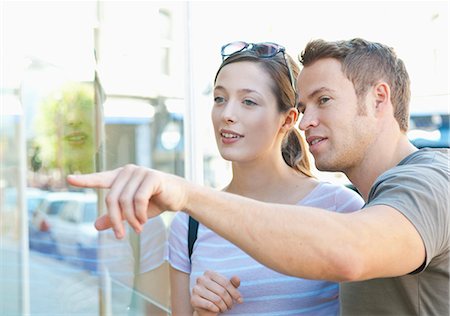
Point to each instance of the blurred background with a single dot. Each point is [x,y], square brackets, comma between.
[93,85]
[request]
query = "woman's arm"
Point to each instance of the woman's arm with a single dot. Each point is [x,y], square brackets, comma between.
[180,297]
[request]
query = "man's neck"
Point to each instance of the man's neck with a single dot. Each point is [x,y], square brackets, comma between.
[378,160]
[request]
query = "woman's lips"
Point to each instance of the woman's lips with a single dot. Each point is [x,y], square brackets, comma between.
[76,138]
[230,137]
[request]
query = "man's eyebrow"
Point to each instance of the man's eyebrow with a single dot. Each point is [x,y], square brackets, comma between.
[320,90]
[314,93]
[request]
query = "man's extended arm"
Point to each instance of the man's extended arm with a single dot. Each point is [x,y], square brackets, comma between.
[297,240]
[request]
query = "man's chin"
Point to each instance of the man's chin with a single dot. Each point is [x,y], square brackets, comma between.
[326,166]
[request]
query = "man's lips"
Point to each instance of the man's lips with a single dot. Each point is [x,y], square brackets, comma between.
[313,140]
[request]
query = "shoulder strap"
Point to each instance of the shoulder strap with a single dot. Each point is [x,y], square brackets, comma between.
[192,235]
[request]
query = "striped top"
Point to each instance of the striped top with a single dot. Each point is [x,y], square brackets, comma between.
[265,292]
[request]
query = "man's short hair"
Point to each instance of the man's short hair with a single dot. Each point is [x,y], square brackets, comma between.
[366,63]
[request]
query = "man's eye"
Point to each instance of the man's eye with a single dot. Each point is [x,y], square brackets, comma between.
[249,102]
[323,100]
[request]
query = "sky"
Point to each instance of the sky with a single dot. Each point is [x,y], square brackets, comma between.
[62,31]
[418,30]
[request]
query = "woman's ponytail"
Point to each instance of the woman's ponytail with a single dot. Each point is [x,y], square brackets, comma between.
[295,152]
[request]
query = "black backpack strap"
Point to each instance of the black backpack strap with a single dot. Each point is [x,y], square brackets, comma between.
[192,235]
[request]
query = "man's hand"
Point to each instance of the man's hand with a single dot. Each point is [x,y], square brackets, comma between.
[136,194]
[215,294]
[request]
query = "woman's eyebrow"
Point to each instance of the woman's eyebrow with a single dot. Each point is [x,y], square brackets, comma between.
[242,91]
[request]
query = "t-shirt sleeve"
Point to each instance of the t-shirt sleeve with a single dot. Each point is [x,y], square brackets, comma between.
[154,248]
[178,247]
[348,200]
[420,193]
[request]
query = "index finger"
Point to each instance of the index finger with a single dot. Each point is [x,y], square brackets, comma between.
[98,180]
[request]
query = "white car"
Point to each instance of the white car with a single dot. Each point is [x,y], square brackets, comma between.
[62,226]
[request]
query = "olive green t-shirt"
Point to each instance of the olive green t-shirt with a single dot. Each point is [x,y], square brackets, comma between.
[418,187]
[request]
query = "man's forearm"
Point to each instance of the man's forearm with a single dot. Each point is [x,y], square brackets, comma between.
[293,240]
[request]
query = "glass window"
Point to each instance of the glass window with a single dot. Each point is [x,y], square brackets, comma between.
[165,60]
[58,108]
[11,263]
[69,211]
[166,24]
[90,213]
[55,207]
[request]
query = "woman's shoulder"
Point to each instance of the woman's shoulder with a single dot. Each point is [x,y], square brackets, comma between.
[179,221]
[326,186]
[334,196]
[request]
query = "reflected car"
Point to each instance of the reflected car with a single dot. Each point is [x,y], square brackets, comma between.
[62,227]
[34,198]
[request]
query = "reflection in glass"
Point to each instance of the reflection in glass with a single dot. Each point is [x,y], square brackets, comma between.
[11,286]
[61,125]
[64,140]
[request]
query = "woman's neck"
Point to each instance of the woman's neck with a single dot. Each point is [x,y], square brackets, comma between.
[269,180]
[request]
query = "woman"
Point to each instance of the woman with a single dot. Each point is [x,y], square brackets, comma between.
[254,117]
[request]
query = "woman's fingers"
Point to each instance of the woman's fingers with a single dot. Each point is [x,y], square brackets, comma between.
[229,285]
[214,290]
[205,299]
[236,282]
[204,312]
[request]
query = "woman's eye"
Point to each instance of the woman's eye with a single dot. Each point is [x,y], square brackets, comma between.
[219,100]
[249,102]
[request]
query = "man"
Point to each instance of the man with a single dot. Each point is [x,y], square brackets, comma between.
[392,257]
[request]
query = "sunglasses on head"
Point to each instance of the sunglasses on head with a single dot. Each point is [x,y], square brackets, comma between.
[262,50]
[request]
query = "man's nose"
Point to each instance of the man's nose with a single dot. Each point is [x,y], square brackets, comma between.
[309,119]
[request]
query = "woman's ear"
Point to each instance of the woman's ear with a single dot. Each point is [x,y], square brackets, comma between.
[290,118]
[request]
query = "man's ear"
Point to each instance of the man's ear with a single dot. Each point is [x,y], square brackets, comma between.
[382,96]
[290,119]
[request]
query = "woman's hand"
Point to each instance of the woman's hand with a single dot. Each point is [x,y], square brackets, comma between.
[215,294]
[136,194]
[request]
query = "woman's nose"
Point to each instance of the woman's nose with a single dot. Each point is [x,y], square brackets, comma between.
[229,113]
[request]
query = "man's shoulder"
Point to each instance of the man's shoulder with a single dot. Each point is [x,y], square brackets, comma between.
[426,162]
[428,156]
[425,169]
